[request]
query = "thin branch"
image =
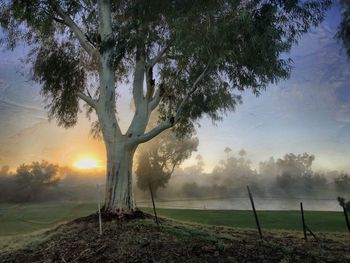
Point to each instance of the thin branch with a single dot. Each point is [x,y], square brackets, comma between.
[170,106]
[93,43]
[150,82]
[87,99]
[73,26]
[156,100]
[154,132]
[173,168]
[156,59]
[88,92]
[138,78]
[190,92]
[168,123]
[54,17]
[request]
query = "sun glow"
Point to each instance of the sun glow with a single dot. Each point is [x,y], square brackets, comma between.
[86,163]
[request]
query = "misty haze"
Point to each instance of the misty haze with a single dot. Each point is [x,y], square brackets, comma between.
[174,131]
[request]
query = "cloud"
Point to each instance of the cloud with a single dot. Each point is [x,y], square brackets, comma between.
[30,130]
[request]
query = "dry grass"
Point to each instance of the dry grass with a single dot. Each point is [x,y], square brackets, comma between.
[174,241]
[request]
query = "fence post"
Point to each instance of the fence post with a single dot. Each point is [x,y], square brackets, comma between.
[154,206]
[346,217]
[99,209]
[303,220]
[305,227]
[255,214]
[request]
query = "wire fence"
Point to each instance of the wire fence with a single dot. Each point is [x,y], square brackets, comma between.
[234,202]
[238,201]
[223,202]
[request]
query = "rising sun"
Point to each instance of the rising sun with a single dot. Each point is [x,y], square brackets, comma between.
[86,163]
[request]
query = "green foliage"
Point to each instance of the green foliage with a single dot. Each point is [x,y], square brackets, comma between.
[237,44]
[32,179]
[54,55]
[158,158]
[57,68]
[344,28]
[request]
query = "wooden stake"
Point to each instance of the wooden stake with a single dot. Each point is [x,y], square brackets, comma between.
[305,227]
[303,220]
[154,206]
[346,218]
[99,209]
[255,214]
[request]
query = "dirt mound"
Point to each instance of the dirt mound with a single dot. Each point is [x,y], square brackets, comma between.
[107,217]
[142,240]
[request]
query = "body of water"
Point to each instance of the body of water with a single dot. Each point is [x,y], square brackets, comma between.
[244,204]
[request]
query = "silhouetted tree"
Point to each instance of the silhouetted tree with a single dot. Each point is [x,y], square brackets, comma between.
[296,176]
[33,179]
[235,171]
[227,150]
[7,184]
[158,158]
[342,182]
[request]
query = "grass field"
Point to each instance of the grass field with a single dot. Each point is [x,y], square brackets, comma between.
[27,218]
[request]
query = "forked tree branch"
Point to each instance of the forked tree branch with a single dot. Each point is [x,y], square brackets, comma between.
[74,27]
[87,99]
[149,74]
[53,17]
[156,100]
[160,54]
[154,132]
[168,123]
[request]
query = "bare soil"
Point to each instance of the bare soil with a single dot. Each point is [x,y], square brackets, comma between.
[137,238]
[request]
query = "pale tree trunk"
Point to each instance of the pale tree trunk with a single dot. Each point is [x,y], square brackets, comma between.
[121,147]
[119,195]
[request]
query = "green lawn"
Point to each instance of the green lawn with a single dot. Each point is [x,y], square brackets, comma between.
[288,220]
[26,218]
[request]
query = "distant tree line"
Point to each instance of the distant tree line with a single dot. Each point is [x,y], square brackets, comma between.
[43,181]
[30,182]
[289,176]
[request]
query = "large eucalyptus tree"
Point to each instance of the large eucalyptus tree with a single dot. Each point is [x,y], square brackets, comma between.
[186,59]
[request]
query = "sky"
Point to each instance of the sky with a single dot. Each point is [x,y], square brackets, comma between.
[310,112]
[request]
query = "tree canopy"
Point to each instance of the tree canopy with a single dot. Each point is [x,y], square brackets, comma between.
[186,59]
[197,55]
[344,28]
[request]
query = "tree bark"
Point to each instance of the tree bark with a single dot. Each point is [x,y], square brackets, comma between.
[119,195]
